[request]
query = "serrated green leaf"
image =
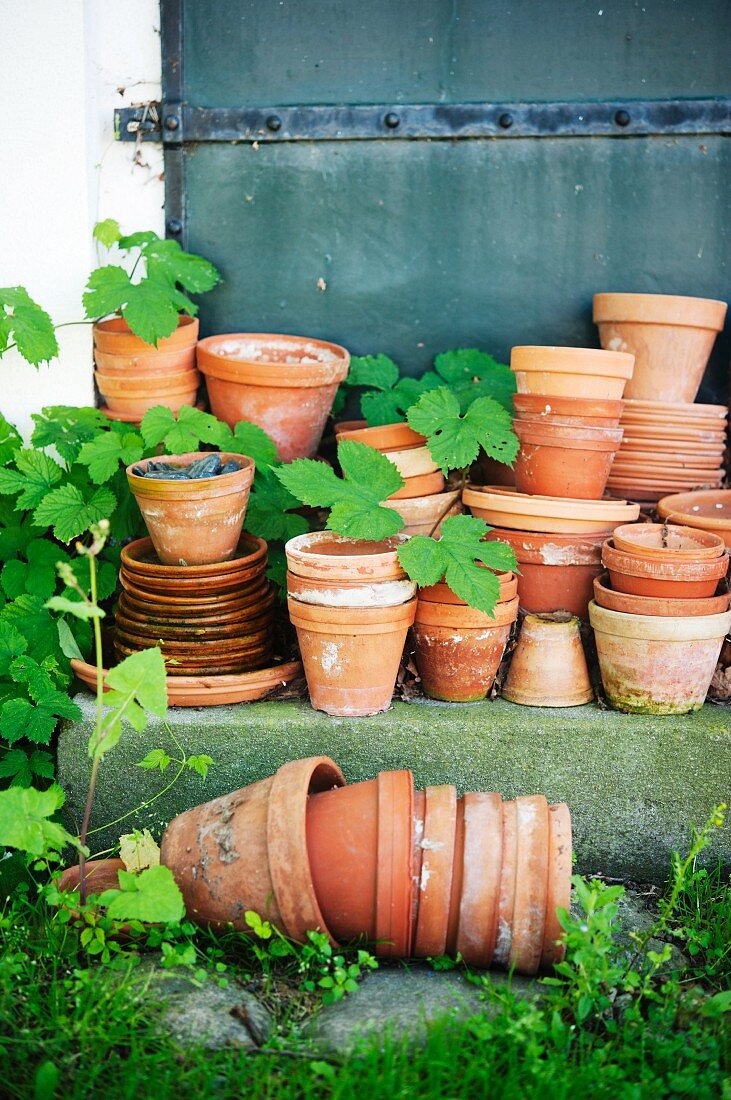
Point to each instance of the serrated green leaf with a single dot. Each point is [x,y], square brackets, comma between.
[15,765]
[107,290]
[36,473]
[200,764]
[10,441]
[269,510]
[66,428]
[25,824]
[25,323]
[391,406]
[138,240]
[28,616]
[152,310]
[20,718]
[471,374]
[12,645]
[151,896]
[70,513]
[310,482]
[78,608]
[251,440]
[183,433]
[365,467]
[373,370]
[107,450]
[137,684]
[454,440]
[37,575]
[167,261]
[156,758]
[107,232]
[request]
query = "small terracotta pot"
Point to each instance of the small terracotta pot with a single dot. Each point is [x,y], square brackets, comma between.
[325,593]
[482,852]
[564,461]
[656,665]
[162,364]
[519,511]
[671,338]
[562,372]
[351,656]
[412,461]
[442,593]
[425,515]
[642,576]
[558,894]
[322,555]
[248,851]
[115,337]
[652,605]
[705,510]
[385,437]
[667,542]
[556,571]
[194,522]
[548,667]
[285,384]
[459,649]
[572,411]
[531,883]
[421,486]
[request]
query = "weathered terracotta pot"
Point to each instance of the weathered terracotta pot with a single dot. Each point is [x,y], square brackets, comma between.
[385,437]
[518,511]
[667,542]
[642,576]
[707,511]
[459,649]
[652,605]
[162,364]
[548,668]
[360,841]
[556,571]
[134,395]
[559,882]
[656,665]
[323,555]
[388,593]
[195,522]
[670,336]
[554,460]
[435,825]
[114,337]
[412,462]
[248,851]
[564,372]
[442,593]
[351,656]
[133,375]
[475,931]
[285,384]
[420,486]
[572,411]
[100,875]
[425,515]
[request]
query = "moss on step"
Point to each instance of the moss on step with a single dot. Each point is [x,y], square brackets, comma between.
[635,784]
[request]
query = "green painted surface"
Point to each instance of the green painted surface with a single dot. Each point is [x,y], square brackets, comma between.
[635,785]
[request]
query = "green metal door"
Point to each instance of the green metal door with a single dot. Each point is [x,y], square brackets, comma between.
[411,176]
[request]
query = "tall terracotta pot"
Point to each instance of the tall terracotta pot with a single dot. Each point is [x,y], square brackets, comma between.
[548,668]
[285,384]
[671,338]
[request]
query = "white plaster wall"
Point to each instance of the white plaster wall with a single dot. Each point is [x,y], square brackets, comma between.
[64,66]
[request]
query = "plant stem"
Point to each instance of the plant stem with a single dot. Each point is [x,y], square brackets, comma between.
[450,505]
[98,730]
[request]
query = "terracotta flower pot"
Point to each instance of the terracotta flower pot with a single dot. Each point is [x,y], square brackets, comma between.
[656,665]
[519,511]
[643,576]
[361,847]
[554,460]
[459,649]
[135,395]
[322,555]
[351,656]
[476,931]
[572,411]
[421,514]
[285,384]
[385,437]
[100,875]
[559,882]
[564,372]
[326,593]
[665,542]
[548,667]
[195,522]
[115,337]
[421,486]
[556,571]
[605,596]
[435,832]
[671,338]
[707,511]
[341,426]
[412,462]
[248,851]
[442,593]
[162,364]
[133,375]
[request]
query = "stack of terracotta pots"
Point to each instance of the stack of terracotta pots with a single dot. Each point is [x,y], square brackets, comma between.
[669,442]
[133,376]
[419,874]
[351,604]
[285,384]
[425,500]
[556,521]
[458,649]
[660,616]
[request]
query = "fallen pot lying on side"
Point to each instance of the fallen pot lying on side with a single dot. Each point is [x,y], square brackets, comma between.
[425,873]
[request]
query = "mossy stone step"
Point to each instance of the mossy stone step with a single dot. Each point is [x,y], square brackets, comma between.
[635,785]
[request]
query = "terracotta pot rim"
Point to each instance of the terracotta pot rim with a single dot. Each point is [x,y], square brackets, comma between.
[703,544]
[547,549]
[682,408]
[635,565]
[578,407]
[434,613]
[572,437]
[675,503]
[428,504]
[115,330]
[133,550]
[325,619]
[412,461]
[537,504]
[384,437]
[222,485]
[419,486]
[270,373]
[377,593]
[681,629]
[553,359]
[442,593]
[677,310]
[305,559]
[658,606]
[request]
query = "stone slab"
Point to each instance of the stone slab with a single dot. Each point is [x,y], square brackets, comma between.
[635,784]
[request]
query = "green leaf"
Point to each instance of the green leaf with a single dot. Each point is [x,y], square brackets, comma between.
[70,513]
[25,323]
[79,608]
[377,371]
[67,641]
[269,513]
[37,575]
[167,261]
[20,766]
[251,440]
[138,240]
[10,441]
[104,453]
[156,758]
[152,896]
[107,232]
[107,290]
[152,310]
[454,440]
[27,615]
[66,428]
[471,374]
[200,764]
[12,644]
[391,406]
[454,556]
[24,820]
[36,473]
[21,719]
[137,684]
[182,434]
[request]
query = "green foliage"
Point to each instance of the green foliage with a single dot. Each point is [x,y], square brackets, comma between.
[26,326]
[25,821]
[271,505]
[152,895]
[137,684]
[470,374]
[182,433]
[355,499]
[454,440]
[454,557]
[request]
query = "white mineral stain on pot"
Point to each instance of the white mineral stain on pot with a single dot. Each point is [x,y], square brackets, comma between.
[330,654]
[503,943]
[432,845]
[552,554]
[425,876]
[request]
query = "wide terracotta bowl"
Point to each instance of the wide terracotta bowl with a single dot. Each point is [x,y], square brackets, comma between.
[668,607]
[667,541]
[707,510]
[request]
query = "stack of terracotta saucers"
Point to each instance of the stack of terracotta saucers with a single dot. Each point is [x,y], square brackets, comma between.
[669,447]
[207,619]
[425,499]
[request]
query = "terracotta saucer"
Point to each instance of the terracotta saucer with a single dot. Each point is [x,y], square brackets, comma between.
[131,610]
[250,638]
[680,408]
[184,666]
[139,557]
[188,605]
[503,507]
[671,431]
[709,510]
[228,584]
